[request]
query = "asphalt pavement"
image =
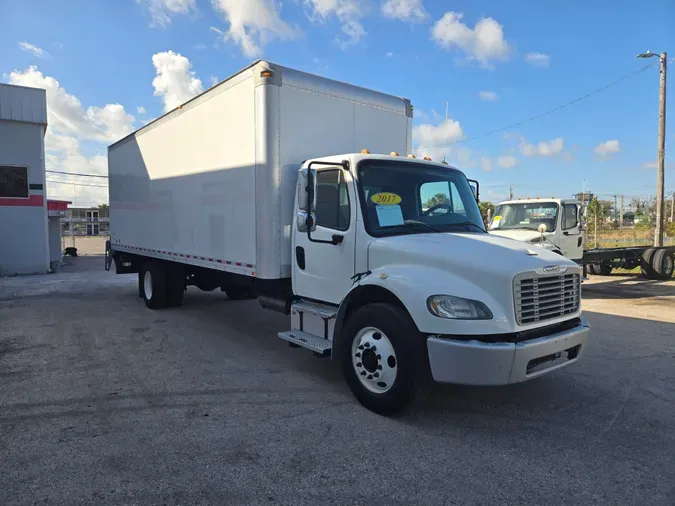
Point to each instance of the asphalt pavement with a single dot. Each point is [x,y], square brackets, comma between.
[103,401]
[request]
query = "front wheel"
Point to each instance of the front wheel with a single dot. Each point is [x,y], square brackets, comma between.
[384,359]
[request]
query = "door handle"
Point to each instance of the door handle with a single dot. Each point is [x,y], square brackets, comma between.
[337,239]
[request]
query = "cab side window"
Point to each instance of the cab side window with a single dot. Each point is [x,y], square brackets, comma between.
[569,216]
[332,200]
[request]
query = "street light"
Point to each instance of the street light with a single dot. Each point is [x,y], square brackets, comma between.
[658,233]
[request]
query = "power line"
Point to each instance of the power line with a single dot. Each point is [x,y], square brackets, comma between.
[75,174]
[70,183]
[551,111]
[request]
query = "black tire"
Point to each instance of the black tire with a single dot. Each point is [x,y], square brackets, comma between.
[175,285]
[157,280]
[662,265]
[646,263]
[593,269]
[238,293]
[413,374]
[140,284]
[604,269]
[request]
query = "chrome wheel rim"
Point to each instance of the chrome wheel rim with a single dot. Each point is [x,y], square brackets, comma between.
[147,285]
[374,360]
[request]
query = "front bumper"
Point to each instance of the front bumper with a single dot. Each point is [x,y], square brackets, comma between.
[479,363]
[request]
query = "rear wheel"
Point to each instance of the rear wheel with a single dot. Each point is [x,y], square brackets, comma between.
[662,264]
[154,285]
[384,359]
[594,269]
[646,263]
[175,285]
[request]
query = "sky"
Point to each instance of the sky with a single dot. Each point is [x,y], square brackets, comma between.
[496,67]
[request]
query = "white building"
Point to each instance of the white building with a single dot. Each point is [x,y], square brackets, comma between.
[24,231]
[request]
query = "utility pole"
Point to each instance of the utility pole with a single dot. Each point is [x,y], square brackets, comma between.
[672,206]
[511,187]
[658,233]
[616,218]
[621,214]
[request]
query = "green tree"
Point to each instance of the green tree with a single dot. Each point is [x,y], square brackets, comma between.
[596,212]
[484,208]
[438,199]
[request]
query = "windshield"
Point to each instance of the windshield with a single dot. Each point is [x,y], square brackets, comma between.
[407,198]
[525,216]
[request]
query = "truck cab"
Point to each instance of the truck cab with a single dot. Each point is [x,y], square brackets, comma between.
[395,275]
[553,224]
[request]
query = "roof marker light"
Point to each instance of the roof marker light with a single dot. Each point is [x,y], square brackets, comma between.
[411,156]
[393,153]
[444,162]
[365,152]
[427,158]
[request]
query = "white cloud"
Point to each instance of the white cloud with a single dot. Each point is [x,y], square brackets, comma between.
[348,12]
[436,142]
[606,149]
[200,46]
[484,43]
[488,96]
[175,82]
[141,110]
[252,23]
[552,148]
[389,54]
[538,59]
[486,164]
[405,10]
[37,51]
[650,165]
[507,161]
[214,80]
[66,115]
[161,11]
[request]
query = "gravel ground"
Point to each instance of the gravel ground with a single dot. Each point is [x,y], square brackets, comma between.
[103,401]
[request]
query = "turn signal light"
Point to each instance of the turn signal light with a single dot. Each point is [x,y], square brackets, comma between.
[266,73]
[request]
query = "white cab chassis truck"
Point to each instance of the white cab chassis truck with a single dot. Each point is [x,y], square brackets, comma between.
[259,187]
[558,225]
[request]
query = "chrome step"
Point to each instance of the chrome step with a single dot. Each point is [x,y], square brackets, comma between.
[317,344]
[320,310]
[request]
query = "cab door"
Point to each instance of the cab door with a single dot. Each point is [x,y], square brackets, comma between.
[323,262]
[571,239]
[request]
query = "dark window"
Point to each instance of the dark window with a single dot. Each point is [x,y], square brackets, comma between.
[332,200]
[14,182]
[569,216]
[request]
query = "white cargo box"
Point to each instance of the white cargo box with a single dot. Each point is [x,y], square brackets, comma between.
[212,182]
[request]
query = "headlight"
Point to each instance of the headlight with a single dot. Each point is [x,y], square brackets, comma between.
[457,308]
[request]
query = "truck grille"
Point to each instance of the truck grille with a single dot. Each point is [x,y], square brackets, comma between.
[541,298]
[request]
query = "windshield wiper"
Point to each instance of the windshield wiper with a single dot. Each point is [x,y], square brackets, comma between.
[411,224]
[467,224]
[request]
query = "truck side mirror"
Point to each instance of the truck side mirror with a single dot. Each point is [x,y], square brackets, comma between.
[475,189]
[306,219]
[306,178]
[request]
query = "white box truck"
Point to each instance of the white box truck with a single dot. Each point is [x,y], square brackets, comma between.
[260,187]
[558,225]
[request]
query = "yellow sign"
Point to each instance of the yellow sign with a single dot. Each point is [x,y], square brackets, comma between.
[386,199]
[497,218]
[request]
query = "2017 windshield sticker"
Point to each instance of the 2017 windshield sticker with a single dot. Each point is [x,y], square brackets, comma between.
[386,199]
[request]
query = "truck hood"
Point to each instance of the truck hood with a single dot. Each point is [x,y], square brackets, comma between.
[518,235]
[465,254]
[470,265]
